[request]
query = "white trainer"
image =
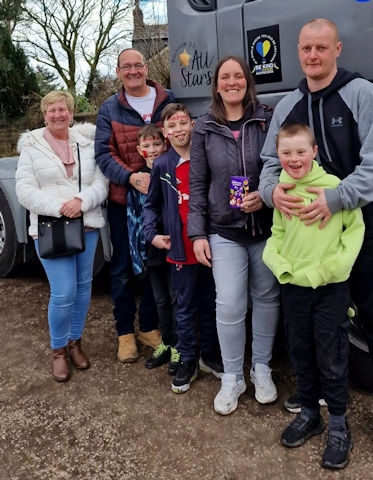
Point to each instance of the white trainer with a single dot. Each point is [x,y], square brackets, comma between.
[265,389]
[226,401]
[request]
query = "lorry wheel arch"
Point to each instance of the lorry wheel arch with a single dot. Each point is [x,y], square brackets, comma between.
[10,249]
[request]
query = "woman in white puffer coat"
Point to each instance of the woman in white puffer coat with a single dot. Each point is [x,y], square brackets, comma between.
[47,183]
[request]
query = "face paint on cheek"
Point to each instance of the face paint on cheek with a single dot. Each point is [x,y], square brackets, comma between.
[145,154]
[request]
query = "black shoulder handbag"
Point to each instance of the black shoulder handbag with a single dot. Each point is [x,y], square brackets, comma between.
[61,236]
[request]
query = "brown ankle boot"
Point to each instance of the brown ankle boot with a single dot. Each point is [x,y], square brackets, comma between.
[60,365]
[78,358]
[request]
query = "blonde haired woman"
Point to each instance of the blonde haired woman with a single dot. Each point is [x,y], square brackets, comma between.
[47,183]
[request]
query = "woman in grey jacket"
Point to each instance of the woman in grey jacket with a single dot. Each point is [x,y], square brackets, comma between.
[229,224]
[47,184]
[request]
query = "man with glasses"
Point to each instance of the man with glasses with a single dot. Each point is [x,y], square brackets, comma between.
[138,101]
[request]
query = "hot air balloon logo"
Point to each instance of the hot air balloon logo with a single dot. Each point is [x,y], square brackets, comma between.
[263,48]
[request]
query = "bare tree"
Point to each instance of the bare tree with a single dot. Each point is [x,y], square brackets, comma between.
[72,36]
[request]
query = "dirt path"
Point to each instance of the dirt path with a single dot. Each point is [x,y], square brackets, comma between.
[122,422]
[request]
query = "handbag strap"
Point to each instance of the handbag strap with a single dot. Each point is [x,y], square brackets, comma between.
[79,168]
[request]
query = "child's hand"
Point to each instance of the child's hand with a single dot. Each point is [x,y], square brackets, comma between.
[162,242]
[201,248]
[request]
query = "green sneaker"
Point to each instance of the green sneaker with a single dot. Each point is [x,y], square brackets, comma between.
[174,361]
[160,356]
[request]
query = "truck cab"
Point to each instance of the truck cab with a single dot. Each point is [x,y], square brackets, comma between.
[265,33]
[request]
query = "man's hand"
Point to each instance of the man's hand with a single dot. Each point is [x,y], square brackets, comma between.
[140,181]
[317,211]
[287,204]
[201,248]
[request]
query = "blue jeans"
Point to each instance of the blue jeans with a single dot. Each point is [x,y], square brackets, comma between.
[239,272]
[70,282]
[122,278]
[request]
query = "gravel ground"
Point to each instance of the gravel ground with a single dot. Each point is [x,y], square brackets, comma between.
[122,422]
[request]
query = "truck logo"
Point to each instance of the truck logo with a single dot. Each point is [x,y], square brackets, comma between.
[196,65]
[184,58]
[263,48]
[264,54]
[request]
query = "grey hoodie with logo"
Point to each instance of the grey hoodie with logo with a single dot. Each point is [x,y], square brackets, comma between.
[341,117]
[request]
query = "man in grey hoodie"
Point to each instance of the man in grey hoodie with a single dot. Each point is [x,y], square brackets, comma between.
[338,106]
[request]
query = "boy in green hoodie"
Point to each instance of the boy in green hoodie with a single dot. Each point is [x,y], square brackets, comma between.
[312,266]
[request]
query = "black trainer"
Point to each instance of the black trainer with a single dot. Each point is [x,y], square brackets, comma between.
[211,365]
[160,356]
[300,430]
[186,373]
[293,404]
[338,448]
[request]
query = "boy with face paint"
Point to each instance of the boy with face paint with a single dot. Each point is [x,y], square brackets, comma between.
[151,144]
[168,198]
[148,260]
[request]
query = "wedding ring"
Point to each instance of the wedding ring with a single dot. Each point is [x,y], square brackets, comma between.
[319,217]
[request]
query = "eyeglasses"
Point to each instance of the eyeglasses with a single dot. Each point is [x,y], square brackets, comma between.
[128,68]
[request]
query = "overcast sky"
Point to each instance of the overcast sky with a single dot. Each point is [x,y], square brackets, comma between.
[149,7]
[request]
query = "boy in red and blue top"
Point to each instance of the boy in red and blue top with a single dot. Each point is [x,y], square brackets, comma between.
[168,198]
